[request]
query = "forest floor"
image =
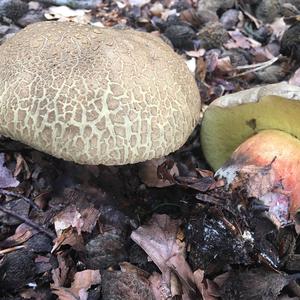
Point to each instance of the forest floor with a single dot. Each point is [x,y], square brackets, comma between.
[163,229]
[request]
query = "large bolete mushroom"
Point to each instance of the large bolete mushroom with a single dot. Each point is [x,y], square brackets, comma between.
[259,126]
[95,95]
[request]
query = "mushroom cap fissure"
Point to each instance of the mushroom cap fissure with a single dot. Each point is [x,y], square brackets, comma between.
[95,95]
[232,119]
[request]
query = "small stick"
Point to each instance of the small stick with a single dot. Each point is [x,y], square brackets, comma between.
[8,250]
[10,193]
[255,67]
[29,222]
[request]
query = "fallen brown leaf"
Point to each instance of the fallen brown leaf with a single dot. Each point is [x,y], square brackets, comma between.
[6,178]
[64,13]
[82,220]
[59,275]
[238,40]
[21,166]
[224,65]
[201,68]
[159,290]
[69,217]
[90,216]
[202,285]
[148,172]
[158,239]
[82,282]
[69,237]
[23,233]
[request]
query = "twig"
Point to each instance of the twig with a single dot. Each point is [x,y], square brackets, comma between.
[257,22]
[9,193]
[29,222]
[8,250]
[255,67]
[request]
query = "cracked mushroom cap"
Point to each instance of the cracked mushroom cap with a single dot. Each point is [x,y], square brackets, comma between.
[95,95]
[232,119]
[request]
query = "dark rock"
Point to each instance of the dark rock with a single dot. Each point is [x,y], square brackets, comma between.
[105,250]
[31,17]
[290,42]
[211,241]
[198,18]
[181,36]
[13,9]
[179,32]
[139,258]
[16,270]
[118,285]
[19,207]
[39,243]
[213,35]
[268,10]
[230,18]
[10,297]
[255,284]
[289,10]
[94,293]
[12,30]
[3,30]
[215,5]
[272,74]
[238,57]
[181,5]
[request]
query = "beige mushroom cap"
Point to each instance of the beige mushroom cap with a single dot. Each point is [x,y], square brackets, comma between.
[95,95]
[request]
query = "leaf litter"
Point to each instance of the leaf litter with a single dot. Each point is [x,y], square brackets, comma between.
[169,228]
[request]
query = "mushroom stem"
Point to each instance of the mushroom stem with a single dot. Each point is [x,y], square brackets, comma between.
[280,149]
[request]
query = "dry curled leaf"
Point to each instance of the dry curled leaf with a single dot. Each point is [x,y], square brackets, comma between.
[80,219]
[64,13]
[23,233]
[21,166]
[160,291]
[69,217]
[59,275]
[6,178]
[69,237]
[238,40]
[158,239]
[224,65]
[148,172]
[79,289]
[209,289]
